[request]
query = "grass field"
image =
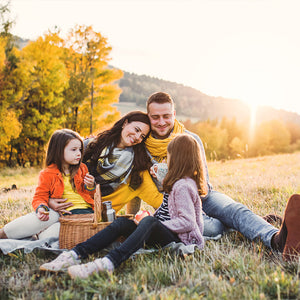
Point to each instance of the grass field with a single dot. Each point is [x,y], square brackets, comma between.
[230,268]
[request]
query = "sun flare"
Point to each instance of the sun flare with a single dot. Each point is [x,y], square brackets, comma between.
[253,111]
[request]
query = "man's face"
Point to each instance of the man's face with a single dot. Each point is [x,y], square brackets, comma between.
[162,118]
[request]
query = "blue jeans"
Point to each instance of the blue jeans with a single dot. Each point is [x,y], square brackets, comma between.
[78,211]
[237,216]
[212,226]
[150,232]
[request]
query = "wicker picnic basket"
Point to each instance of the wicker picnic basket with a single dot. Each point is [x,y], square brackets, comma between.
[75,229]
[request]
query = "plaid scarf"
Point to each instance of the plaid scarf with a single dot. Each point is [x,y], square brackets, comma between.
[115,169]
[157,149]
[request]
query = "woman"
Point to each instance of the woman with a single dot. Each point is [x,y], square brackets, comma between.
[118,160]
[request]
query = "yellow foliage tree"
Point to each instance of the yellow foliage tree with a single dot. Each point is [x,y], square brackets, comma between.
[91,92]
[10,127]
[44,78]
[237,148]
[271,137]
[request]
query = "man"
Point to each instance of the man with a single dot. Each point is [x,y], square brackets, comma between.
[164,126]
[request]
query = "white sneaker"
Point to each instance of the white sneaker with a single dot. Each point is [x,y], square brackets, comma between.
[85,270]
[61,263]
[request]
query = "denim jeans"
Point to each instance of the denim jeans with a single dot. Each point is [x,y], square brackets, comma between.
[78,211]
[150,232]
[237,216]
[212,227]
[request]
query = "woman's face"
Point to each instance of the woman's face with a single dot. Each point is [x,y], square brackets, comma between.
[133,133]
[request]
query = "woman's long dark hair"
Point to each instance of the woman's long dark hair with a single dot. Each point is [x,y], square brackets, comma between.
[112,137]
[55,151]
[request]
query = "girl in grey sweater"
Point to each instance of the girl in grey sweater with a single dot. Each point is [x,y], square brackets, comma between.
[178,219]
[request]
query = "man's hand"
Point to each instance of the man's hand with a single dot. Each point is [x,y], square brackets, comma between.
[60,205]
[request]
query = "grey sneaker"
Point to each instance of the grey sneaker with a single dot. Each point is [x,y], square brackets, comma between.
[85,270]
[61,263]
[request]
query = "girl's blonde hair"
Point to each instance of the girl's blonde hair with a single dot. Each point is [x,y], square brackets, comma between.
[186,160]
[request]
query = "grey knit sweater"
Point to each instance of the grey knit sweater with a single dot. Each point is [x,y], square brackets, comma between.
[185,210]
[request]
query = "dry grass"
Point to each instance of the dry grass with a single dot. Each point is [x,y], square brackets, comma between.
[263,184]
[231,268]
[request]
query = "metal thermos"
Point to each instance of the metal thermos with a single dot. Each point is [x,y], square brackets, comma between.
[108,213]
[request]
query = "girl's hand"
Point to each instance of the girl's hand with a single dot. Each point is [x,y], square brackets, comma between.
[140,215]
[89,181]
[42,214]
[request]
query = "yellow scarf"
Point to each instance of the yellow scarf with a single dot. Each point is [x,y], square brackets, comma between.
[158,148]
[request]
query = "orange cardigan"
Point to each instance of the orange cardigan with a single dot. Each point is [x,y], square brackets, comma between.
[51,185]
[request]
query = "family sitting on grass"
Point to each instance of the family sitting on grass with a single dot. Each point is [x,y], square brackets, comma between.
[120,160]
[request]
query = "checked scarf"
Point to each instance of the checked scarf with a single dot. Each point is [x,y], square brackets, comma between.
[115,169]
[158,148]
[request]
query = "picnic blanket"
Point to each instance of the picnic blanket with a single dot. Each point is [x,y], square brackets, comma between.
[52,244]
[28,245]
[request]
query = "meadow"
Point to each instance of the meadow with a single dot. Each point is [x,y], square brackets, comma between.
[230,268]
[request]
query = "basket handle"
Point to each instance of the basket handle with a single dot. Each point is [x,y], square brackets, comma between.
[97,206]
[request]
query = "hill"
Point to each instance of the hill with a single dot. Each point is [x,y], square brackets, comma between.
[194,104]
[190,102]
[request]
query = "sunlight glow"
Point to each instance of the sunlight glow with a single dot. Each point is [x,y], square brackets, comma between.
[254,61]
[253,112]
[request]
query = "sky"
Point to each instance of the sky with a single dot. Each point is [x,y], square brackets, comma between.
[240,49]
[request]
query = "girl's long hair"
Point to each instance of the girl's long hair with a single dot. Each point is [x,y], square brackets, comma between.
[112,137]
[55,151]
[185,161]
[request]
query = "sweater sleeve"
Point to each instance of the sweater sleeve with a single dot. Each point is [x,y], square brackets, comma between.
[42,192]
[182,201]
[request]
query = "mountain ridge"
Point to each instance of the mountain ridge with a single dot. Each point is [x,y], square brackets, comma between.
[192,103]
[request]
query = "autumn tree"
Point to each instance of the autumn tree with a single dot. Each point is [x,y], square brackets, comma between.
[271,137]
[91,90]
[213,137]
[237,148]
[44,78]
[10,126]
[237,137]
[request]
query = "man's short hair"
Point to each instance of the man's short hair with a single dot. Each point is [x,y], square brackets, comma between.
[160,97]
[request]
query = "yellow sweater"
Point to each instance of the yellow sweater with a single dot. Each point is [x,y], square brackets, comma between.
[147,191]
